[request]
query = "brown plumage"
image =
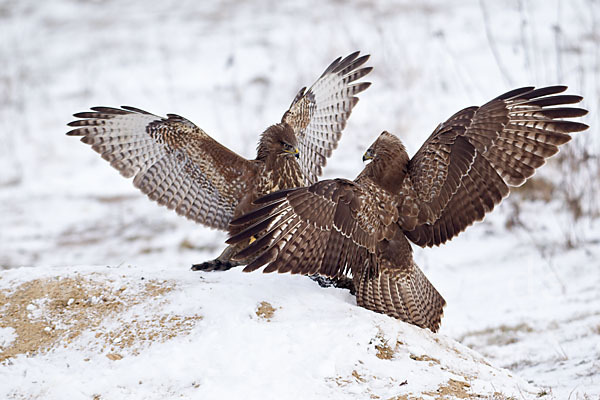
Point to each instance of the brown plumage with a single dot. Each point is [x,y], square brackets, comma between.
[176,164]
[363,227]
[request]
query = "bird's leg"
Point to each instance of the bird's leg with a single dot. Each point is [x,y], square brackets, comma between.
[221,263]
[342,282]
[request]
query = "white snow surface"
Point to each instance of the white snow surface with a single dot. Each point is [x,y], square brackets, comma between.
[7,336]
[317,344]
[521,297]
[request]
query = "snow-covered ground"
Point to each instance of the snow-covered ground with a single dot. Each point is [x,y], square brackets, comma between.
[154,333]
[522,287]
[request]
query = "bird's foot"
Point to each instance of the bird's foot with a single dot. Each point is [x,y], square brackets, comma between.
[341,283]
[214,265]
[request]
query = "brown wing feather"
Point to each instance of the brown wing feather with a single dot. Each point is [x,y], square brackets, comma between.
[437,169]
[317,229]
[318,115]
[173,162]
[335,226]
[509,138]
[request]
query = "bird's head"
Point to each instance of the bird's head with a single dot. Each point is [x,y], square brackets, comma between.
[287,144]
[386,147]
[389,160]
[278,141]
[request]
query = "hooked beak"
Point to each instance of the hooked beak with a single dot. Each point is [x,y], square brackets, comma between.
[368,155]
[295,152]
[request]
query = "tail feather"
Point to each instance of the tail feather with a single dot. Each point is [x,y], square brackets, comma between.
[405,294]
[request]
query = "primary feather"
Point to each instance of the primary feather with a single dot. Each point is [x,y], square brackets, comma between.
[363,227]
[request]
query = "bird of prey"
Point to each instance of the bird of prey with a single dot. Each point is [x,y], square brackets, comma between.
[363,227]
[176,164]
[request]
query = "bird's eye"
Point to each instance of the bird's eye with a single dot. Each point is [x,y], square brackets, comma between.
[287,147]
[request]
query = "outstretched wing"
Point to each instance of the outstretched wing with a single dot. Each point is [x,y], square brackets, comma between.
[320,229]
[172,161]
[337,225]
[469,162]
[318,115]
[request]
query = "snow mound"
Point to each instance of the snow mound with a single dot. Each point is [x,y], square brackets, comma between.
[158,333]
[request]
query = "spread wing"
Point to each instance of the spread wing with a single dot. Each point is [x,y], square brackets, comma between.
[173,162]
[318,115]
[469,162]
[320,229]
[334,226]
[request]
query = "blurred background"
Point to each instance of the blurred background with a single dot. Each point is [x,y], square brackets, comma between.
[521,286]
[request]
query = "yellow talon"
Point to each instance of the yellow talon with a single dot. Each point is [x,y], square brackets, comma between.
[252,239]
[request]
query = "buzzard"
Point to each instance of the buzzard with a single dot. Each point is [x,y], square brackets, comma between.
[363,227]
[176,164]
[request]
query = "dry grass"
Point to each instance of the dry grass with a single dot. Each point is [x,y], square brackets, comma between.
[454,389]
[572,181]
[141,332]
[425,357]
[536,188]
[501,336]
[384,350]
[47,313]
[265,310]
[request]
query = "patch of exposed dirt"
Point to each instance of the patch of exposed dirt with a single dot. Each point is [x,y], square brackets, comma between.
[383,348]
[425,357]
[358,377]
[46,313]
[384,351]
[265,310]
[114,356]
[453,389]
[143,331]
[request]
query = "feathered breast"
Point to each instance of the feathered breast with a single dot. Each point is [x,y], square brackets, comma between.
[285,174]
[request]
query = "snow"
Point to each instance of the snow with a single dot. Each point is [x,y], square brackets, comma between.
[521,297]
[7,336]
[315,342]
[538,314]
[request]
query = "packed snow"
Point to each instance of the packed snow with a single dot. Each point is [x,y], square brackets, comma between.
[156,333]
[521,287]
